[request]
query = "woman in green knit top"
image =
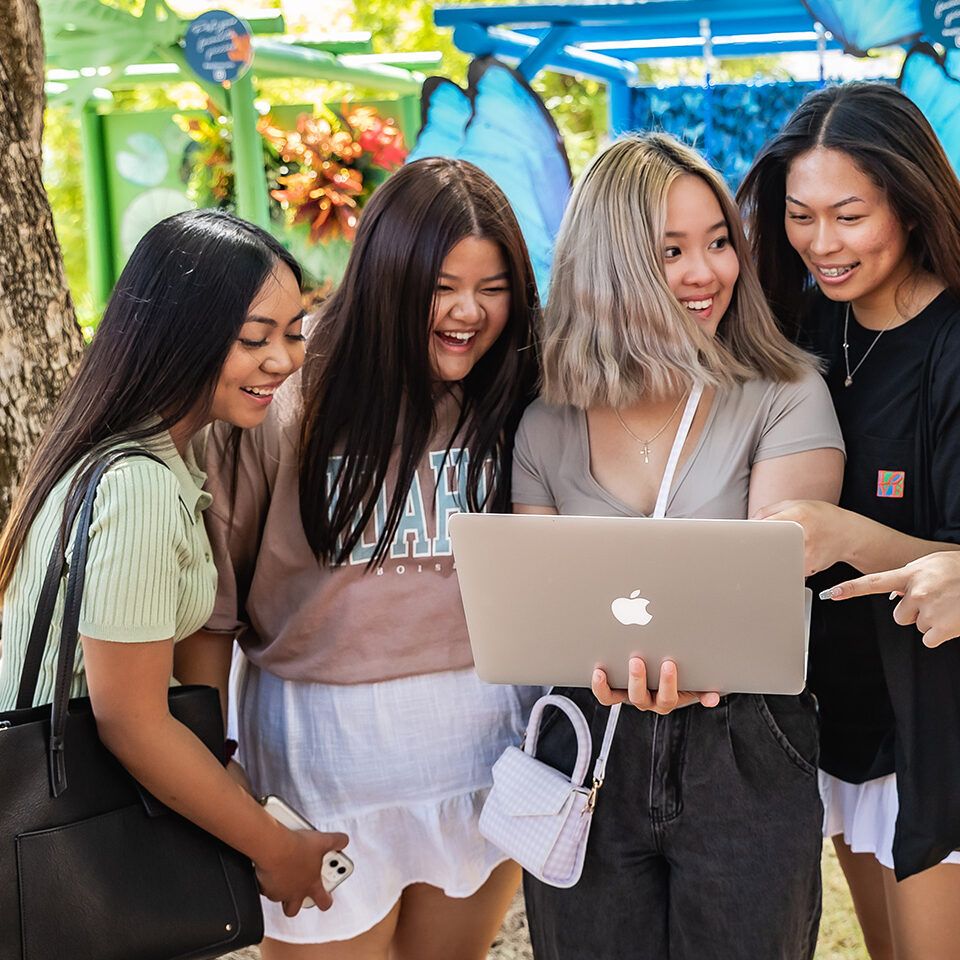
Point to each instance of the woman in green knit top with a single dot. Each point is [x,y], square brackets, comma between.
[204,324]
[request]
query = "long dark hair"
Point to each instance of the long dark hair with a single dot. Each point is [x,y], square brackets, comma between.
[885,134]
[367,380]
[176,310]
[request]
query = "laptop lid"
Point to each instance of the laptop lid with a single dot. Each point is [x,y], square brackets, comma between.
[549,598]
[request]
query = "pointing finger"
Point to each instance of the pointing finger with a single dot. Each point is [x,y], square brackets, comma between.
[886,582]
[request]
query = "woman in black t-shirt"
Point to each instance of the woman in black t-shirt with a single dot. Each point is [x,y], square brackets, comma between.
[857,194]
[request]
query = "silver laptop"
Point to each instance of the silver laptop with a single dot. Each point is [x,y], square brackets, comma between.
[547,599]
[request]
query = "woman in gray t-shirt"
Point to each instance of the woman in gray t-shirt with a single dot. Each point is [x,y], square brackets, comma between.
[702,807]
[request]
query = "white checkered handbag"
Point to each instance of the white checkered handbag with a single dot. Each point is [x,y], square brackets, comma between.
[536,814]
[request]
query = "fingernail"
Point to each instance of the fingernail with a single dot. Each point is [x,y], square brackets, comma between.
[830,594]
[893,595]
[598,676]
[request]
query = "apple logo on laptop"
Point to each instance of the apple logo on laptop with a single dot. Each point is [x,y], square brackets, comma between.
[632,609]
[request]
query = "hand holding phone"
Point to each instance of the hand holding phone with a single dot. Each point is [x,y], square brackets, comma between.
[336,865]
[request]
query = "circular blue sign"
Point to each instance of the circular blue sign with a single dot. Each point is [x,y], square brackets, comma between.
[941,21]
[217,46]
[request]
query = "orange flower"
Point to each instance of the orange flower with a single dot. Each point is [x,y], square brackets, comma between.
[330,154]
[382,139]
[240,51]
[325,199]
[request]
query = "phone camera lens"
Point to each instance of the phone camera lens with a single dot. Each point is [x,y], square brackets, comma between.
[334,863]
[341,870]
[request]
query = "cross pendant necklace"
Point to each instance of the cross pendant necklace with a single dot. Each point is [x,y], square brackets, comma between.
[645,444]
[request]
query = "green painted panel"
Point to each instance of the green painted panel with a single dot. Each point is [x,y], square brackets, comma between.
[145,175]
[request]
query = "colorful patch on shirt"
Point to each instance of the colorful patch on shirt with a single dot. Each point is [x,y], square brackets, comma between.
[890,483]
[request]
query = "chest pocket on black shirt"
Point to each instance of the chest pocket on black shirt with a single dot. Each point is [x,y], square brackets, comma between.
[879,481]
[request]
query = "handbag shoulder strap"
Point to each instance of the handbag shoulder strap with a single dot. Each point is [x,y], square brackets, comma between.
[57,567]
[70,627]
[683,431]
[600,765]
[46,604]
[689,412]
[33,661]
[78,510]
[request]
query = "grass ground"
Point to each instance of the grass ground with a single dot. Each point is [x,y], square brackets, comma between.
[840,937]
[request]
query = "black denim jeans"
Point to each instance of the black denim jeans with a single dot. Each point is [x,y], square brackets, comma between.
[705,843]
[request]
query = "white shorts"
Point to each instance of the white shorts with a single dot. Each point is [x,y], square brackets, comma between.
[402,767]
[865,814]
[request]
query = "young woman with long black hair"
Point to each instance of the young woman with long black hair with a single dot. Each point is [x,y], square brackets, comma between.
[360,705]
[854,214]
[204,323]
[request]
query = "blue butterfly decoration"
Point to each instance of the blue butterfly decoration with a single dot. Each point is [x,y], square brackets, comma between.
[862,24]
[445,113]
[930,79]
[932,82]
[500,124]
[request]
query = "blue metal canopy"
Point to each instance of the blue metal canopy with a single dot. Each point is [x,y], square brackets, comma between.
[605,40]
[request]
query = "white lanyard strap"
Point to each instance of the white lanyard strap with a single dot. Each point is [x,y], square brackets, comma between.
[689,412]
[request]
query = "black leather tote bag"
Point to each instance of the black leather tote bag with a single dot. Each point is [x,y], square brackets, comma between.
[92,867]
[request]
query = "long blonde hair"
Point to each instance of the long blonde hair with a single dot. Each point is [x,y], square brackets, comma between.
[613,330]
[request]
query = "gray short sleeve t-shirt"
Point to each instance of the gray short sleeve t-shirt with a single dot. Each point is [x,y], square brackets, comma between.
[754,421]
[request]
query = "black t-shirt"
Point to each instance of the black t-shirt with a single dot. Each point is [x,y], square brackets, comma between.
[880,414]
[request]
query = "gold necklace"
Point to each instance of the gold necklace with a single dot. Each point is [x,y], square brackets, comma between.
[645,444]
[848,380]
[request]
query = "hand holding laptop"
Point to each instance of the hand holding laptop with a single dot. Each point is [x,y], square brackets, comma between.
[665,699]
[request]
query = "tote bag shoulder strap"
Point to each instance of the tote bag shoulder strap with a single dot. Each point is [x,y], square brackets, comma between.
[82,491]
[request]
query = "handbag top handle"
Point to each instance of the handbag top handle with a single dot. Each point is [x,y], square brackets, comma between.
[575,716]
[80,504]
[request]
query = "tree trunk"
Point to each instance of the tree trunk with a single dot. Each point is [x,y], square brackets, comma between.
[40,342]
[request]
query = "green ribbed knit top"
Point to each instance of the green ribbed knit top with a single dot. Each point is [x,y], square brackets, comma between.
[150,574]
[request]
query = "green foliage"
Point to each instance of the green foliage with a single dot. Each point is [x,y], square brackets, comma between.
[408,25]
[579,108]
[675,72]
[127,6]
[62,177]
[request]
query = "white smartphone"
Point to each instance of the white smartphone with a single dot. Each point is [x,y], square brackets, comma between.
[336,867]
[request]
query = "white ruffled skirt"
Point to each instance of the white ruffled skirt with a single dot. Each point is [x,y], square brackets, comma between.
[402,767]
[865,814]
